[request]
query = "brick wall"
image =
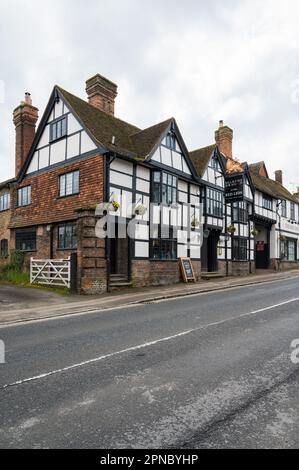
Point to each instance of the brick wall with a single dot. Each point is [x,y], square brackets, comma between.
[47,207]
[236,268]
[148,272]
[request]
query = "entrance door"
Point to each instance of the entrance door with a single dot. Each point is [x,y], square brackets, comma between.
[209,261]
[262,255]
[212,251]
[119,253]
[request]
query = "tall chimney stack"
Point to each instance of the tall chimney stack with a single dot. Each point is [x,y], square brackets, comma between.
[224,139]
[101,93]
[278,176]
[25,117]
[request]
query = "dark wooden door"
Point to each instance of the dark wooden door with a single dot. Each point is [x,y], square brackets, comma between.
[262,255]
[212,251]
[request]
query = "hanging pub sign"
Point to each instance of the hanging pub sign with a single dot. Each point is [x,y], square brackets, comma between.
[233,188]
[187,269]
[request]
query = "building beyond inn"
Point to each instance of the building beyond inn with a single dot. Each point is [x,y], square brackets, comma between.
[81,155]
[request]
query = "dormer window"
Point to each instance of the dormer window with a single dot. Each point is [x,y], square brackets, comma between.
[170,141]
[292,211]
[267,202]
[215,164]
[58,129]
[283,208]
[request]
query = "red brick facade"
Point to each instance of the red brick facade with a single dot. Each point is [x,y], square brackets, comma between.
[47,207]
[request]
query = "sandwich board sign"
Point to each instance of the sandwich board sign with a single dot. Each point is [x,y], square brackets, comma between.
[187,270]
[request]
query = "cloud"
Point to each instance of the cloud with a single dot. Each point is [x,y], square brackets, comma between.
[195,60]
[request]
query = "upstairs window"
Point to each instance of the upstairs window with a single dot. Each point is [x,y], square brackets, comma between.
[58,129]
[26,240]
[267,202]
[4,202]
[170,141]
[240,212]
[214,202]
[292,211]
[284,208]
[69,183]
[164,188]
[24,196]
[215,164]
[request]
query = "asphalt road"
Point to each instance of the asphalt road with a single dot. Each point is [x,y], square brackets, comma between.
[206,371]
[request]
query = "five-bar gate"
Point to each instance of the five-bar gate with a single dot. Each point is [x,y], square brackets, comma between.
[51,272]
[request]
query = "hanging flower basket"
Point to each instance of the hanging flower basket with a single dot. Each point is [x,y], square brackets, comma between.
[231,229]
[111,206]
[254,232]
[194,222]
[140,209]
[282,238]
[114,206]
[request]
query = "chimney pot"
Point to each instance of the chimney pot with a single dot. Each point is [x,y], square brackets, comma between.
[101,93]
[28,99]
[278,176]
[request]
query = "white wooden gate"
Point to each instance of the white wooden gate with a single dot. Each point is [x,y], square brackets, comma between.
[51,272]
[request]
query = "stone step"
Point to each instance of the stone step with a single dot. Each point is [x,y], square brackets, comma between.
[208,276]
[115,285]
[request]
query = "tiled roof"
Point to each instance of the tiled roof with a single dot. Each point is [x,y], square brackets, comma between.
[7,182]
[269,186]
[129,140]
[201,157]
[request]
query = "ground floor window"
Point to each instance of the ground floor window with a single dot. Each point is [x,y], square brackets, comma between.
[26,240]
[164,248]
[288,250]
[239,249]
[4,248]
[67,237]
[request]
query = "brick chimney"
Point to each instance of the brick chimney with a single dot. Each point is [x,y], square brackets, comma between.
[101,93]
[25,117]
[224,139]
[278,176]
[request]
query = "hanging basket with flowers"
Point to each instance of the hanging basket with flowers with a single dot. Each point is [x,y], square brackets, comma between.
[194,222]
[231,229]
[114,206]
[254,232]
[140,209]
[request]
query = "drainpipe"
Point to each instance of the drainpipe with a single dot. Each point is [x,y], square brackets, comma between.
[106,183]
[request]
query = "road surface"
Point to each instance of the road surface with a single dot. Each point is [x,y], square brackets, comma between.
[205,371]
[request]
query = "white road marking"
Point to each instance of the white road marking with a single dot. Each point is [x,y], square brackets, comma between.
[138,303]
[145,345]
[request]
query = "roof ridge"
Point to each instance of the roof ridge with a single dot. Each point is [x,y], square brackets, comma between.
[97,109]
[151,127]
[203,148]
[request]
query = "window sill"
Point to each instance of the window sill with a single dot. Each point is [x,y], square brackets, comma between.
[66,249]
[160,259]
[68,195]
[25,205]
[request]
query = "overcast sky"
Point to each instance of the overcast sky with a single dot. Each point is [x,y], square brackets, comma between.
[196,60]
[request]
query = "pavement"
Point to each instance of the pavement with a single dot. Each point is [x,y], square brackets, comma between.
[19,304]
[208,370]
